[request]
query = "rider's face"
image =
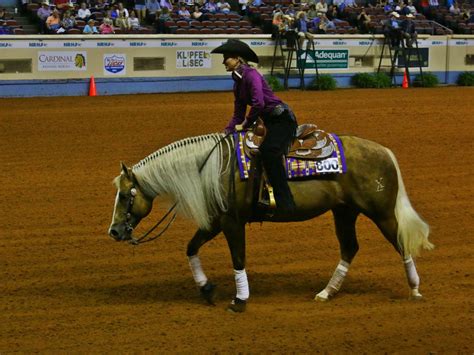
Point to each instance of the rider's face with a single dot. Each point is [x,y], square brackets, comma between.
[231,63]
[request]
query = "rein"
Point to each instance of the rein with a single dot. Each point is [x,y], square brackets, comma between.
[133,192]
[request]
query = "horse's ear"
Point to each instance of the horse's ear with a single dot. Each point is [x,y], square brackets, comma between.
[124,169]
[128,172]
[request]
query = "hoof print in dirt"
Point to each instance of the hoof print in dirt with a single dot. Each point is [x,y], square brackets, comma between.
[237,306]
[208,292]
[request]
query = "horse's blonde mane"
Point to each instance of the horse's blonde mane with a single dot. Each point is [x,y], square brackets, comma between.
[174,170]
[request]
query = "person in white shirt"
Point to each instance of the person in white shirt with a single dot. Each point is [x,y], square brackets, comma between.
[322,7]
[84,13]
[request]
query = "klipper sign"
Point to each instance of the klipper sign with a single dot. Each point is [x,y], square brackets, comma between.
[190,59]
[62,61]
[325,58]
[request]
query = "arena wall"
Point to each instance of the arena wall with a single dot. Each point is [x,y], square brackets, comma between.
[127,64]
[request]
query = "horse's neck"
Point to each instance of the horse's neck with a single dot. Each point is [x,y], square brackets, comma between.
[178,158]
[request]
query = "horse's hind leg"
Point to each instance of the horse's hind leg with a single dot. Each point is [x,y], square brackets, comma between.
[345,219]
[201,237]
[389,227]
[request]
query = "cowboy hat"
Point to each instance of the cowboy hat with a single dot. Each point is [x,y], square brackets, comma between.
[238,48]
[409,16]
[45,2]
[396,14]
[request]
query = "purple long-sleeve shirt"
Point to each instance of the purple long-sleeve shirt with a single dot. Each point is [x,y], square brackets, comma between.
[252,90]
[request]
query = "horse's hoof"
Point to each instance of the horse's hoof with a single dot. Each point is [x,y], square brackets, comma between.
[415,295]
[237,306]
[323,296]
[208,292]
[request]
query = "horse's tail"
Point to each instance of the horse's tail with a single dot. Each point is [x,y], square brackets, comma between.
[412,230]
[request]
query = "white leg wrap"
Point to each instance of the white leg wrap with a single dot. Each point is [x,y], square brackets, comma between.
[337,278]
[241,284]
[335,283]
[412,275]
[196,268]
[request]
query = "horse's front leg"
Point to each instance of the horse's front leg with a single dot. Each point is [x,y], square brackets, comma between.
[234,232]
[201,237]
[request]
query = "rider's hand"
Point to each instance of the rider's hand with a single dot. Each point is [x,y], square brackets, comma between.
[239,127]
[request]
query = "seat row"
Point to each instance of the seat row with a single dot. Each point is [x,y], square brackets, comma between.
[209,24]
[220,30]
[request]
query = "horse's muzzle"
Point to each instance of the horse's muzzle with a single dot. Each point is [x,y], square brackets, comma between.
[120,233]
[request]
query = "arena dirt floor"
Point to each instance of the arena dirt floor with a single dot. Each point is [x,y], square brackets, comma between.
[65,286]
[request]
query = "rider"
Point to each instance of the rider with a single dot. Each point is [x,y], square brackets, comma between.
[250,88]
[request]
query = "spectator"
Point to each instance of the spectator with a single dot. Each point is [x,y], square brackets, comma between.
[134,21]
[322,7]
[3,14]
[162,18]
[197,13]
[223,6]
[392,29]
[350,3]
[408,31]
[411,8]
[363,22]
[167,4]
[84,13]
[106,27]
[121,11]
[90,28]
[210,7]
[69,21]
[43,13]
[332,13]
[290,11]
[301,26]
[278,23]
[325,24]
[123,22]
[100,6]
[454,9]
[140,9]
[243,6]
[114,13]
[183,13]
[61,4]
[465,13]
[152,7]
[53,22]
[312,13]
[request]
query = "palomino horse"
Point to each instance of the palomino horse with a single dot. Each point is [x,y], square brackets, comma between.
[199,173]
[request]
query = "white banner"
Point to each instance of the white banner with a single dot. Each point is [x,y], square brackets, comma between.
[190,59]
[115,64]
[62,61]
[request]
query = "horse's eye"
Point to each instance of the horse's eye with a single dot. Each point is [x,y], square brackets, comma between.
[133,192]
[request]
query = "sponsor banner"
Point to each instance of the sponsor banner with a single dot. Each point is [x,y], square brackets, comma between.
[190,59]
[115,64]
[209,43]
[413,59]
[62,61]
[324,58]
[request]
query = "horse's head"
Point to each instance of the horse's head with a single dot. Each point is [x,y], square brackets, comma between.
[131,206]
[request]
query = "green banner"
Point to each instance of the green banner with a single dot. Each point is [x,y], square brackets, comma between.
[326,58]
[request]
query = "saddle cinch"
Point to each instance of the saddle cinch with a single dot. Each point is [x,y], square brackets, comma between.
[310,142]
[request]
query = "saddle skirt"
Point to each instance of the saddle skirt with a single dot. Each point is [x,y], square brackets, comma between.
[313,152]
